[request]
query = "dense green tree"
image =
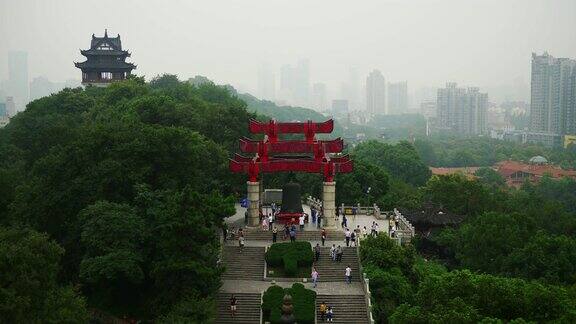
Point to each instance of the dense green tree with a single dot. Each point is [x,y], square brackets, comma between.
[400,161]
[489,177]
[458,194]
[29,292]
[112,237]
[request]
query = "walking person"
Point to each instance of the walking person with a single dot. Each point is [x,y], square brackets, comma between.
[293,234]
[347,234]
[322,309]
[353,238]
[333,252]
[313,214]
[270,221]
[323,236]
[344,221]
[339,253]
[348,275]
[314,276]
[373,231]
[317,252]
[301,221]
[286,232]
[233,303]
[274,234]
[241,242]
[364,233]
[329,314]
[319,220]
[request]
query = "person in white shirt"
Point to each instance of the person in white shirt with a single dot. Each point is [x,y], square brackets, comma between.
[333,252]
[270,221]
[347,234]
[301,222]
[348,275]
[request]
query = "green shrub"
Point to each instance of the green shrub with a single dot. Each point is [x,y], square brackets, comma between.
[304,301]
[290,255]
[290,266]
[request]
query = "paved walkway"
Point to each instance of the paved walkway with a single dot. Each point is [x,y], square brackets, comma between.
[237,220]
[326,288]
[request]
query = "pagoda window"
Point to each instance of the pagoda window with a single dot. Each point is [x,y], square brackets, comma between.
[106,75]
[105,47]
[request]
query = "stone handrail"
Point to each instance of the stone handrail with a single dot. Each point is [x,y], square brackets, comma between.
[314,202]
[404,228]
[365,282]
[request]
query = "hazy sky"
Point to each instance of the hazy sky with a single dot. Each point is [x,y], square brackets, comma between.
[427,42]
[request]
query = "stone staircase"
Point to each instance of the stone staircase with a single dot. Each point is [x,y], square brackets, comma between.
[260,235]
[349,309]
[247,309]
[247,264]
[335,271]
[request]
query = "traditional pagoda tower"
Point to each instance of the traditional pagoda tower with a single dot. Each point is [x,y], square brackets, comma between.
[105,61]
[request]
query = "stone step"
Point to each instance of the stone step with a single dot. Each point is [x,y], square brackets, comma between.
[259,235]
[247,310]
[329,270]
[346,308]
[245,264]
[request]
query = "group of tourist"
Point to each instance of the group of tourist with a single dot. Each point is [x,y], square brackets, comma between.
[326,312]
[316,276]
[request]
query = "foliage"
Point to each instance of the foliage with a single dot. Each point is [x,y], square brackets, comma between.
[303,300]
[123,177]
[413,290]
[366,185]
[193,309]
[482,151]
[489,177]
[458,194]
[29,290]
[290,255]
[400,161]
[509,244]
[382,252]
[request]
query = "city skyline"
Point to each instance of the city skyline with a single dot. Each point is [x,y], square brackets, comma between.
[236,43]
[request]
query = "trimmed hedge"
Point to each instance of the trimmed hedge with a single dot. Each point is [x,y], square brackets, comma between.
[304,301]
[290,256]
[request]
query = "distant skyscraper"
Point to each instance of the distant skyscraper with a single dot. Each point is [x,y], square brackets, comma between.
[461,110]
[339,106]
[18,78]
[376,93]
[295,83]
[10,106]
[319,96]
[428,109]
[266,84]
[3,112]
[553,95]
[398,97]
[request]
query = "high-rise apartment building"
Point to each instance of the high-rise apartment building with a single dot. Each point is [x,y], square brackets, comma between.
[553,96]
[339,106]
[10,106]
[461,110]
[319,97]
[397,97]
[266,84]
[376,93]
[18,78]
[295,83]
